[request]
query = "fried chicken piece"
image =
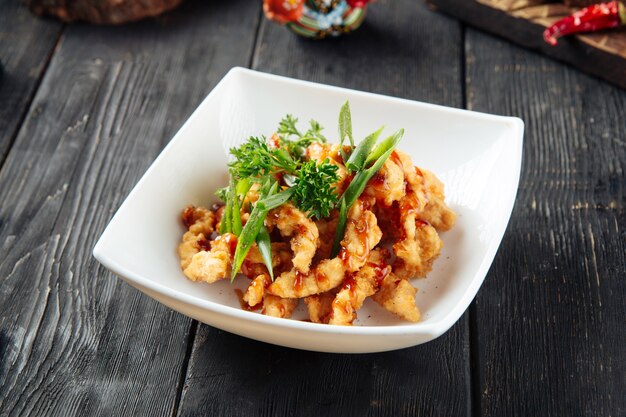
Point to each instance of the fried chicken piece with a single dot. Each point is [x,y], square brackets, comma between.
[294,284]
[416,190]
[398,296]
[199,220]
[436,212]
[387,185]
[418,250]
[362,235]
[214,265]
[293,223]
[320,306]
[357,287]
[428,192]
[278,307]
[256,290]
[200,223]
[190,245]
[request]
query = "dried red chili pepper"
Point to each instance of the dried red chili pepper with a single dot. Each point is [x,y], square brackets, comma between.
[589,19]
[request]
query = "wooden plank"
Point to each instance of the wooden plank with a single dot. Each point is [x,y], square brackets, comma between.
[26,44]
[75,340]
[597,54]
[398,51]
[550,316]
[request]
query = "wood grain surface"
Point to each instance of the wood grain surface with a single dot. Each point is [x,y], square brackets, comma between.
[76,340]
[25,49]
[232,376]
[87,109]
[550,317]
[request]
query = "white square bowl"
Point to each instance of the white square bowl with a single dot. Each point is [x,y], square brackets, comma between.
[477,156]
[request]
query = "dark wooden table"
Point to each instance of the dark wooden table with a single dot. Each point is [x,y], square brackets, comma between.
[83,112]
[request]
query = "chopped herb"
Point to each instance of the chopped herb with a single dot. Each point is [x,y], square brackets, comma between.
[315,188]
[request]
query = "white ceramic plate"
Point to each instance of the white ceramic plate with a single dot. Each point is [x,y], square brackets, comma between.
[478,157]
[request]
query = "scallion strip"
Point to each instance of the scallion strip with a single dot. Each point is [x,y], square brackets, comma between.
[265,247]
[276,200]
[247,238]
[226,225]
[358,157]
[384,146]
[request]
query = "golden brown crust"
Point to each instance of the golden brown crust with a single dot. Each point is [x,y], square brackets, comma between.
[398,296]
[357,287]
[293,223]
[320,306]
[256,290]
[278,307]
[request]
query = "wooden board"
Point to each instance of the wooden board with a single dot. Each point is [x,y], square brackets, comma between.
[549,330]
[74,339]
[396,52]
[602,54]
[26,46]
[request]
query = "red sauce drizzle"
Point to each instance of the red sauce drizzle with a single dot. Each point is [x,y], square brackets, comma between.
[189,216]
[350,285]
[379,180]
[409,204]
[421,223]
[203,244]
[344,255]
[297,283]
[304,231]
[231,241]
[381,271]
[396,159]
[320,277]
[243,304]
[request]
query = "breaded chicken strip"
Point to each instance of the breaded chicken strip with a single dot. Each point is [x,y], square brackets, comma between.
[213,265]
[436,212]
[429,194]
[278,307]
[293,223]
[419,248]
[320,306]
[362,235]
[200,223]
[357,287]
[398,296]
[256,290]
[387,185]
[293,284]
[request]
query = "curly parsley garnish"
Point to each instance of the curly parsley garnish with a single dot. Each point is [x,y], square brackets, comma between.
[315,191]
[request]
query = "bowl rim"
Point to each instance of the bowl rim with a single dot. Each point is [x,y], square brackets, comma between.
[435,328]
